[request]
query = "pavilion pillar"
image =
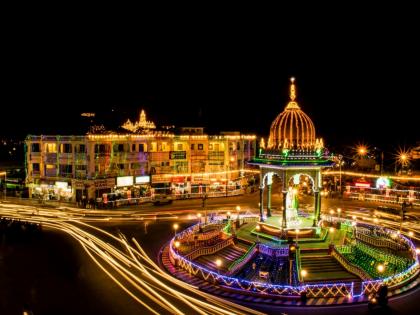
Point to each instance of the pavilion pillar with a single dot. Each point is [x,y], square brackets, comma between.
[284,223]
[269,201]
[317,214]
[261,203]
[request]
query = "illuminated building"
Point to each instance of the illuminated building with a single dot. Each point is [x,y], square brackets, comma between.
[142,124]
[293,152]
[90,165]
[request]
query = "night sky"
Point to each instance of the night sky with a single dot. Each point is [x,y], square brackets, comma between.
[357,74]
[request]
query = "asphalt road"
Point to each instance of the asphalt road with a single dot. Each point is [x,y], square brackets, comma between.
[54,276]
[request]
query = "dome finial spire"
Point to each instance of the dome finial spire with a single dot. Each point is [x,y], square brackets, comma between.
[292,89]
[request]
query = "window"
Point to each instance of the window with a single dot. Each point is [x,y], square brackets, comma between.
[179,147]
[65,148]
[66,169]
[35,147]
[121,166]
[102,148]
[210,147]
[80,167]
[238,146]
[133,147]
[135,166]
[118,147]
[141,147]
[51,147]
[153,146]
[50,166]
[200,146]
[35,167]
[80,148]
[192,146]
[217,147]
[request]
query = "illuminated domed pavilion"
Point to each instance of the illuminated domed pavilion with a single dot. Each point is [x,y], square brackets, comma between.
[292,151]
[292,127]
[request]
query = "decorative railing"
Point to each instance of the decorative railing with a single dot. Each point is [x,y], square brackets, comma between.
[320,290]
[348,265]
[379,242]
[202,236]
[249,219]
[208,250]
[273,252]
[242,261]
[403,277]
[378,255]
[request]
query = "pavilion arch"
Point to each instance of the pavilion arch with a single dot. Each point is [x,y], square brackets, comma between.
[285,174]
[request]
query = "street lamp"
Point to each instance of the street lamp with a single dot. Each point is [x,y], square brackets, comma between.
[175,226]
[199,218]
[411,234]
[361,150]
[332,230]
[331,215]
[380,268]
[303,274]
[218,264]
[238,209]
[177,244]
[339,212]
[354,225]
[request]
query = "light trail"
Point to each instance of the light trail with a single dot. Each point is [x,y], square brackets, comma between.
[138,275]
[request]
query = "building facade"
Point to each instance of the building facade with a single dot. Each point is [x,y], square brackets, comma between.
[76,167]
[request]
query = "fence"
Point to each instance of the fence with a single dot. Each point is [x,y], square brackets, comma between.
[320,290]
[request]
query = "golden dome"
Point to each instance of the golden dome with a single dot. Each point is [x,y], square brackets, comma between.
[292,128]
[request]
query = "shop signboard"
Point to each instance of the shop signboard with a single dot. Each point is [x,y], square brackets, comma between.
[142,179]
[178,155]
[62,185]
[123,181]
[177,179]
[78,184]
[160,179]
[105,183]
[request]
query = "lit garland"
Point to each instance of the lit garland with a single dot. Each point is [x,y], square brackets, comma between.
[313,290]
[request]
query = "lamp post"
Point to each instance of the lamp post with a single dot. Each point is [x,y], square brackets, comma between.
[332,230]
[354,225]
[340,159]
[297,236]
[175,226]
[303,274]
[5,184]
[218,264]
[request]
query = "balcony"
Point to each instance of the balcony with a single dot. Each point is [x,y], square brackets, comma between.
[51,158]
[51,173]
[64,157]
[35,156]
[80,156]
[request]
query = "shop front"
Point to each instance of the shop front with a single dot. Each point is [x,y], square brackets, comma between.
[58,190]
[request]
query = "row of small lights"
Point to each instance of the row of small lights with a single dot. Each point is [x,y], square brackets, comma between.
[303,272]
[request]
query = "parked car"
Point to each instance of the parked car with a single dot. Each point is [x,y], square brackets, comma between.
[162,200]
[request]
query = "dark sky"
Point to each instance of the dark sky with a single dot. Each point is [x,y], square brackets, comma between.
[357,71]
